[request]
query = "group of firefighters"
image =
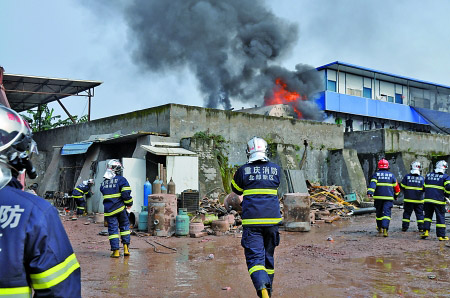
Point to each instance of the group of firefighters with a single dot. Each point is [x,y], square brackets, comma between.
[37,252]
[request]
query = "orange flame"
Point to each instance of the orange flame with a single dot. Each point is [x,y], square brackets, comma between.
[281,95]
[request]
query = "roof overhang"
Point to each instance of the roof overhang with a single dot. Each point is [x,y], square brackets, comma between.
[168,151]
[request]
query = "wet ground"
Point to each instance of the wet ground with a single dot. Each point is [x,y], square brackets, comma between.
[356,263]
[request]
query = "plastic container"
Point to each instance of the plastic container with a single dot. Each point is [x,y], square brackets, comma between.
[143,219]
[156,186]
[147,191]
[182,223]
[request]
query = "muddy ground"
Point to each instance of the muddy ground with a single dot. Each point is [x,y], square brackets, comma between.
[357,263]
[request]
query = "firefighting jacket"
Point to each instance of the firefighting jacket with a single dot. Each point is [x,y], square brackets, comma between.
[258,183]
[437,187]
[412,185]
[383,186]
[81,190]
[116,195]
[35,252]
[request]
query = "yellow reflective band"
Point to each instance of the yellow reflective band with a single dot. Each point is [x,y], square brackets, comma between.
[386,184]
[77,197]
[270,271]
[427,219]
[128,201]
[419,221]
[115,211]
[406,220]
[446,182]
[434,186]
[379,218]
[80,208]
[261,221]
[55,275]
[413,201]
[125,233]
[116,195]
[374,180]
[397,193]
[256,268]
[125,188]
[386,217]
[79,190]
[371,189]
[383,198]
[434,201]
[236,186]
[411,187]
[260,191]
[113,236]
[16,292]
[440,225]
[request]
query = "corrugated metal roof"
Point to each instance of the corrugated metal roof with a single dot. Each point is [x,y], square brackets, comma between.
[77,148]
[167,151]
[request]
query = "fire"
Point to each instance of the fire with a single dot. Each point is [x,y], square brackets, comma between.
[281,95]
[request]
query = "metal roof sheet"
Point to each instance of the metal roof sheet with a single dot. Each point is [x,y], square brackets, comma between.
[167,151]
[77,148]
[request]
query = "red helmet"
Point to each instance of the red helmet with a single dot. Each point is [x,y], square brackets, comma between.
[383,164]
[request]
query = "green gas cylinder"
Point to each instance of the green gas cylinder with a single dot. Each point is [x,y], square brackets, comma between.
[182,223]
[143,219]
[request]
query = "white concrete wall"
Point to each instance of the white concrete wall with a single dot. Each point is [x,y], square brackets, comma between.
[184,172]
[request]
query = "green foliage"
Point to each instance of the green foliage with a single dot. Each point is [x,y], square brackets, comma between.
[48,120]
[271,147]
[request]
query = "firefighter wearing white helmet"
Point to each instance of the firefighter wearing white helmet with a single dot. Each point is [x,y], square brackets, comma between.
[412,186]
[81,193]
[258,181]
[437,188]
[38,259]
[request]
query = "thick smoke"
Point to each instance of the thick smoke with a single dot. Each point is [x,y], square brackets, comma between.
[231,46]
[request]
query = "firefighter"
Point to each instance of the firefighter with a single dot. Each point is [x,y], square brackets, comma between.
[35,252]
[384,189]
[79,192]
[116,196]
[258,181]
[437,188]
[412,185]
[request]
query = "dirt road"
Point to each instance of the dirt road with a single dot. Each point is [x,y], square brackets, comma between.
[357,263]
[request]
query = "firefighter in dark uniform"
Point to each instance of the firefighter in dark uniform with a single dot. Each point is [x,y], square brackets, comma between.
[81,190]
[437,188]
[412,185]
[35,252]
[116,197]
[258,181]
[383,188]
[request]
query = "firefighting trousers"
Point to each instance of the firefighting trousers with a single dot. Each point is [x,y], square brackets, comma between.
[430,208]
[118,222]
[81,205]
[408,209]
[383,212]
[259,247]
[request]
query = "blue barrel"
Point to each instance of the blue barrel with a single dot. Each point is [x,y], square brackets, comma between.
[147,191]
[182,223]
[143,219]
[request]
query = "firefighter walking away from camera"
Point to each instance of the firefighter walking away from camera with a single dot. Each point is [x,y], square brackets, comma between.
[35,252]
[437,188]
[79,193]
[116,198]
[412,186]
[258,181]
[384,189]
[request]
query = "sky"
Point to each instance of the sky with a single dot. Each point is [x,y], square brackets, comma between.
[91,40]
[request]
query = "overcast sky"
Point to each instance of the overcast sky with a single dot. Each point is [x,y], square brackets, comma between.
[73,39]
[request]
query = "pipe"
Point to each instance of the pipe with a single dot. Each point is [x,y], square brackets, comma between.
[364,210]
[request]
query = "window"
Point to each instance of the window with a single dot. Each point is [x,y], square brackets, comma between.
[398,98]
[354,92]
[390,99]
[367,92]
[331,85]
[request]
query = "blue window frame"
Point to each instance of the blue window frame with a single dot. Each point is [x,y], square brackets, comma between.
[390,99]
[367,92]
[331,85]
[398,98]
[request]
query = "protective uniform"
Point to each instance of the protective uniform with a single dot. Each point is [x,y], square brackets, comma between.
[258,181]
[384,188]
[412,185]
[78,194]
[116,195]
[437,187]
[35,252]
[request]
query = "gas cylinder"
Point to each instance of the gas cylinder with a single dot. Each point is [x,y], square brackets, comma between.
[143,219]
[156,187]
[182,222]
[163,188]
[147,191]
[171,187]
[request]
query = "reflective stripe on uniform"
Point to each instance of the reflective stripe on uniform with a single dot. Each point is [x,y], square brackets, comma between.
[236,186]
[85,192]
[411,187]
[434,186]
[406,220]
[434,201]
[115,211]
[125,188]
[383,198]
[446,182]
[56,274]
[420,220]
[116,195]
[386,184]
[371,189]
[124,233]
[256,268]
[261,221]
[384,217]
[374,180]
[440,225]
[77,197]
[80,208]
[427,219]
[270,271]
[16,292]
[413,201]
[260,191]
[128,201]
[113,236]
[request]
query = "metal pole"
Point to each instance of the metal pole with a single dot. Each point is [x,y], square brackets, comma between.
[89,106]
[40,116]
[65,110]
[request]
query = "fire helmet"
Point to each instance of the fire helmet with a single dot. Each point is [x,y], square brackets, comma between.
[441,167]
[16,146]
[257,150]
[415,167]
[89,182]
[115,166]
[383,164]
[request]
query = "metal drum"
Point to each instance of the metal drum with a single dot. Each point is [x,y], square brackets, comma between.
[162,212]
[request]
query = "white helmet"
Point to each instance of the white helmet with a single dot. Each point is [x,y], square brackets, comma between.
[257,150]
[89,182]
[415,167]
[441,167]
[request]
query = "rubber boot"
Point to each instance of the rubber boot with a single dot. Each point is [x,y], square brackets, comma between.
[126,251]
[115,254]
[425,234]
[264,293]
[385,233]
[379,230]
[443,238]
